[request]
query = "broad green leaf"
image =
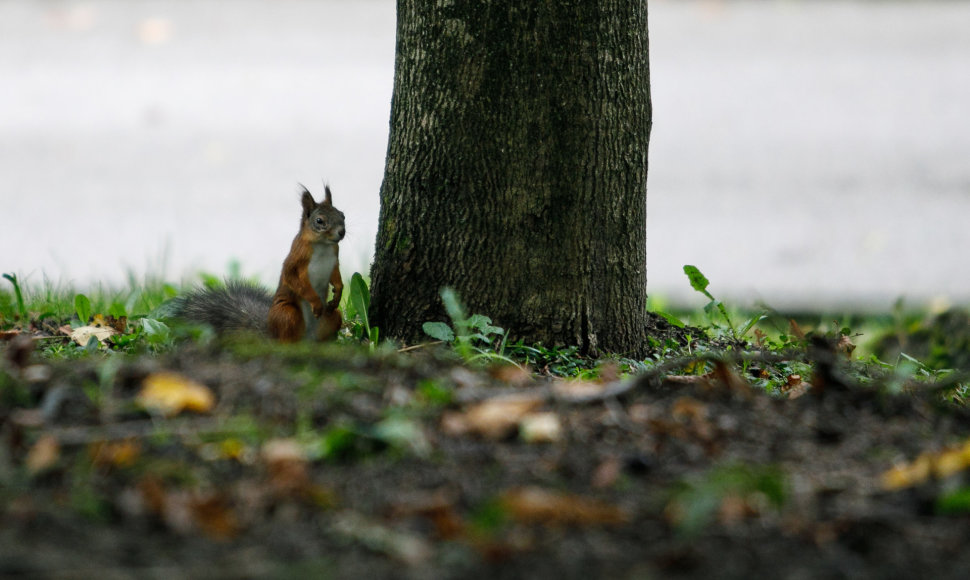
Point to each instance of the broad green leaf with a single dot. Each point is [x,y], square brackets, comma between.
[697,280]
[483,324]
[117,310]
[155,330]
[82,306]
[438,331]
[673,320]
[360,298]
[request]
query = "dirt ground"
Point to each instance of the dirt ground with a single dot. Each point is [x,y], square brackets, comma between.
[335,463]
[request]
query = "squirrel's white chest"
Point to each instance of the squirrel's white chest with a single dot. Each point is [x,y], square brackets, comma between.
[322,263]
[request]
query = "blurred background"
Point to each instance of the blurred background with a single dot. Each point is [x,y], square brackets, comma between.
[805,154]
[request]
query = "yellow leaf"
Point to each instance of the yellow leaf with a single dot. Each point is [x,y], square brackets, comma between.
[171,393]
[939,465]
[907,475]
[233,448]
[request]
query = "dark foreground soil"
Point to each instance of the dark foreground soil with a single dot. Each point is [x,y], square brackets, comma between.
[336,463]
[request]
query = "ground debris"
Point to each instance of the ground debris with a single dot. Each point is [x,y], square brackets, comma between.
[402,463]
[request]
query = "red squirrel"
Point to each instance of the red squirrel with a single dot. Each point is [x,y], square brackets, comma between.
[299,310]
[309,270]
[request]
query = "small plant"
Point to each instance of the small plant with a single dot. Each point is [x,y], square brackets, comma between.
[21,308]
[466,330]
[82,307]
[558,361]
[360,302]
[700,283]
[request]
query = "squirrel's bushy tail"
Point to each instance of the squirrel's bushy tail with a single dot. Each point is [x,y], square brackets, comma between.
[239,306]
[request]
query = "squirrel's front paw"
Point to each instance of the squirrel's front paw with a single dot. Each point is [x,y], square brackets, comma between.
[318,310]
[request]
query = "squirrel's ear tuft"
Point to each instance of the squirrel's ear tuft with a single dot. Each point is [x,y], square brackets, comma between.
[327,199]
[307,201]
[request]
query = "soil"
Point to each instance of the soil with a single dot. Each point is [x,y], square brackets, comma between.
[338,463]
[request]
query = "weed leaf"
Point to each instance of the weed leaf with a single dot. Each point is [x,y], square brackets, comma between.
[697,280]
[12,278]
[483,324]
[438,331]
[155,331]
[82,305]
[360,298]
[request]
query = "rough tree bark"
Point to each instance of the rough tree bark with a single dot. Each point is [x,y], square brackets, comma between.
[516,170]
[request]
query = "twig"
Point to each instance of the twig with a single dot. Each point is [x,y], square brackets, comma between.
[422,345]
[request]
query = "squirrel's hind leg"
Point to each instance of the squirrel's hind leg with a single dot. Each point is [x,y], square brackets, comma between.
[328,325]
[286,323]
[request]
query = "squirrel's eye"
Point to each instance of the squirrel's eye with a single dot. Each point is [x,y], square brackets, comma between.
[320,221]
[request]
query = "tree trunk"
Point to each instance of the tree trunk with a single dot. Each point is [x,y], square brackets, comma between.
[516,170]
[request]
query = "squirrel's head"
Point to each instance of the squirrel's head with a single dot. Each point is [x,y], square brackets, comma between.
[321,221]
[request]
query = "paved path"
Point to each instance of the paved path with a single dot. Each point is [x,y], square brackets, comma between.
[802,152]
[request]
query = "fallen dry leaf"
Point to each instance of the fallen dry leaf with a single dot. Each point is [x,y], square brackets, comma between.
[951,461]
[213,514]
[538,505]
[540,428]
[8,334]
[43,455]
[152,493]
[577,389]
[493,419]
[82,335]
[185,511]
[119,323]
[438,507]
[795,387]
[937,465]
[513,375]
[845,346]
[115,453]
[907,475]
[287,466]
[171,393]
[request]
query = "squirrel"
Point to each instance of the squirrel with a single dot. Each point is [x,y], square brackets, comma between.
[297,310]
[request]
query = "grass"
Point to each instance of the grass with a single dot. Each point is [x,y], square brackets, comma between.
[901,348]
